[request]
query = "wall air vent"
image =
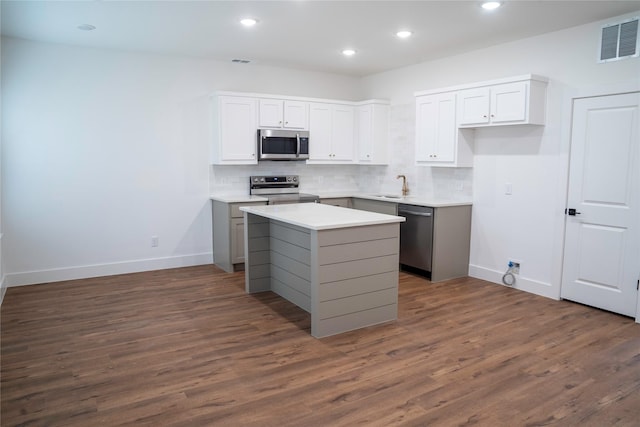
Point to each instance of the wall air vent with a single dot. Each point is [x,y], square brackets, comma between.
[619,41]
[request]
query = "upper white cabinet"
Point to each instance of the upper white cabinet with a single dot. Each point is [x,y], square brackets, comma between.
[340,132]
[234,127]
[513,103]
[283,114]
[372,132]
[331,133]
[443,114]
[438,140]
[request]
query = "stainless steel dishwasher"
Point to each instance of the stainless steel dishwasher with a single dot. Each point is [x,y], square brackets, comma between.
[416,237]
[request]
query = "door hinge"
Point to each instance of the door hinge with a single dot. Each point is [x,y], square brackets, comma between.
[638,285]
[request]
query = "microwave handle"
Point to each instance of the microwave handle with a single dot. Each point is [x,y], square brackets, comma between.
[298,145]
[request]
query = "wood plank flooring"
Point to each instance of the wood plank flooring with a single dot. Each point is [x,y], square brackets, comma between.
[187,347]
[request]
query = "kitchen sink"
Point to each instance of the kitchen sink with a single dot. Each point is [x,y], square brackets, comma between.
[387,196]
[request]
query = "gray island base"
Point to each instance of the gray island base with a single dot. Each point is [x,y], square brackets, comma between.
[338,264]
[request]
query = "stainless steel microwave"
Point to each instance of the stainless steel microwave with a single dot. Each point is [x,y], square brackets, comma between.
[277,144]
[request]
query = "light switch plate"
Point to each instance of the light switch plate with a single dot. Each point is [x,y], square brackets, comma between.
[508,189]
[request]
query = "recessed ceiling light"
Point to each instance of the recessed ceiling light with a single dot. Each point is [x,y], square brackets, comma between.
[86,27]
[248,22]
[348,52]
[404,34]
[491,5]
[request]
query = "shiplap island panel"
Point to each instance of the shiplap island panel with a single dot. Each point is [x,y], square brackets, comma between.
[338,264]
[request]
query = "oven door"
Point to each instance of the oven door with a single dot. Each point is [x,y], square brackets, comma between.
[282,145]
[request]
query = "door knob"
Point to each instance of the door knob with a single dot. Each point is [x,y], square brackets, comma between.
[571,212]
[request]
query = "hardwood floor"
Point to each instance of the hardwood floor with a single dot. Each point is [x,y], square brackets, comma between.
[187,347]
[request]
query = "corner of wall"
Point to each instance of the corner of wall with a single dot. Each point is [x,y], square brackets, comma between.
[3,290]
[3,282]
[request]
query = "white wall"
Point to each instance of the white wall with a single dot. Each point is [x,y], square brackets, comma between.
[529,225]
[3,284]
[95,162]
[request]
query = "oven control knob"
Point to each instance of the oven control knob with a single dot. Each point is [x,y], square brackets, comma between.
[289,179]
[295,178]
[262,179]
[255,179]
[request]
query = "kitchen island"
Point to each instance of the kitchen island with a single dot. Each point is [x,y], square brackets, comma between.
[338,264]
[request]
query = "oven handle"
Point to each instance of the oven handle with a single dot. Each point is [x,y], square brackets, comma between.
[298,145]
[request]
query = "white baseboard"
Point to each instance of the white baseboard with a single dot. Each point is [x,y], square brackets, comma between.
[96,270]
[522,283]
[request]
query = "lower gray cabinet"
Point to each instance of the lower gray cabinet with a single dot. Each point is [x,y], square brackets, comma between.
[343,202]
[450,236]
[228,234]
[451,242]
[388,208]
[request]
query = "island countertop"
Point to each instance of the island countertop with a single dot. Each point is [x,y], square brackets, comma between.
[315,216]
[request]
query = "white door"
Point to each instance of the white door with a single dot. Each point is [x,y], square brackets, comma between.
[238,129]
[447,131]
[473,106]
[320,131]
[602,238]
[270,113]
[364,132]
[436,128]
[509,103]
[343,139]
[295,115]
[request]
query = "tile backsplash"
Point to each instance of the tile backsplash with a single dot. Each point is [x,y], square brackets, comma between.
[429,182]
[313,178]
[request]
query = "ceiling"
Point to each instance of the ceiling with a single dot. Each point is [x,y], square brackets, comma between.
[302,33]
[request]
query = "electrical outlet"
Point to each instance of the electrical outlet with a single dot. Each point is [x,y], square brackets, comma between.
[514,266]
[154,241]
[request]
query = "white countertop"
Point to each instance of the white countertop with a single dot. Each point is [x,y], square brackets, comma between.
[237,198]
[430,202]
[316,216]
[409,200]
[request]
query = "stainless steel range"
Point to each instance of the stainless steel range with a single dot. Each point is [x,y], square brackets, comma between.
[280,189]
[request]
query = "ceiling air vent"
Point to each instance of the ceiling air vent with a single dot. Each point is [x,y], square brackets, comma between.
[240,61]
[619,41]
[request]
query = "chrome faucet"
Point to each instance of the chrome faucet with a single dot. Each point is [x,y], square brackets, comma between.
[405,187]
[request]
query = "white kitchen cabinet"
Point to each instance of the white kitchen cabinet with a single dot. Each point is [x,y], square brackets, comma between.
[331,133]
[283,114]
[514,103]
[233,130]
[372,132]
[438,140]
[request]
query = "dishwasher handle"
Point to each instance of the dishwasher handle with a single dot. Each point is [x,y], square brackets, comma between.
[400,212]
